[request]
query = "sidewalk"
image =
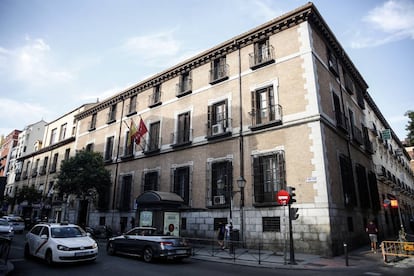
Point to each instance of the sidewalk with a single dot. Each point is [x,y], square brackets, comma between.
[357,258]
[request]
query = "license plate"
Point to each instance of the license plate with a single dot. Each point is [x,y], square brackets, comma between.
[181,251]
[82,253]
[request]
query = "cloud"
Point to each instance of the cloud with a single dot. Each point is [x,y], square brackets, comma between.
[394,20]
[19,114]
[153,46]
[32,64]
[260,10]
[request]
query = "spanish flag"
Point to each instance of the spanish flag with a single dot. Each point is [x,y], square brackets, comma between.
[132,133]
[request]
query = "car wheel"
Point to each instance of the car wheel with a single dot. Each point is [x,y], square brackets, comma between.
[49,257]
[110,249]
[148,254]
[27,251]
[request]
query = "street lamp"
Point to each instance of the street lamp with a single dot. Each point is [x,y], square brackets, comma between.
[396,193]
[241,182]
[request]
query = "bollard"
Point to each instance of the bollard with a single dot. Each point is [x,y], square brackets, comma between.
[346,254]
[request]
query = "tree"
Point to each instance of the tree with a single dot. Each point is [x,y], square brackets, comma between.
[410,127]
[83,175]
[30,194]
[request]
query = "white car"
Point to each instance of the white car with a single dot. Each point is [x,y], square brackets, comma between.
[60,242]
[17,223]
[6,230]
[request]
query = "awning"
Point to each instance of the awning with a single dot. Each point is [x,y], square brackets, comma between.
[158,200]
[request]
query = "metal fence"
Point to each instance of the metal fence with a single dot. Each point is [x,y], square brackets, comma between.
[236,251]
[396,249]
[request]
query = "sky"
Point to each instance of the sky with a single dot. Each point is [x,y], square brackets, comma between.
[56,55]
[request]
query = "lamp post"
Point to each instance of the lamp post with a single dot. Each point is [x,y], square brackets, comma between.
[396,193]
[241,182]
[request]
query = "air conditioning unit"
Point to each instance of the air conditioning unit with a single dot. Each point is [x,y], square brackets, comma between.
[217,129]
[217,200]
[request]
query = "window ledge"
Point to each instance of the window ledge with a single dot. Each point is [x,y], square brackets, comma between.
[183,93]
[212,82]
[266,125]
[262,64]
[154,104]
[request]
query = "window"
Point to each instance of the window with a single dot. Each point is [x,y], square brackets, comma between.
[132,109]
[124,203]
[155,97]
[347,181]
[53,136]
[154,137]
[264,110]
[360,98]
[341,121]
[109,148]
[373,191]
[263,54]
[54,163]
[183,133]
[89,147]
[219,70]
[151,181]
[112,114]
[364,200]
[35,167]
[181,185]
[44,166]
[184,85]
[218,120]
[67,153]
[92,123]
[269,176]
[349,84]
[62,134]
[333,63]
[129,146]
[271,224]
[221,182]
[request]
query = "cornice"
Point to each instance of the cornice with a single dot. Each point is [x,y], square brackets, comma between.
[261,32]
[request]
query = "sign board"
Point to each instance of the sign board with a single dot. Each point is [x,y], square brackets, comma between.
[171,223]
[386,134]
[145,218]
[282,197]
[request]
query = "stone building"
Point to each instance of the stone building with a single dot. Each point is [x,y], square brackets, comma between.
[280,105]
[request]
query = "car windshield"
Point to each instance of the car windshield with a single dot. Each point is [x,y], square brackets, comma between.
[67,232]
[4,222]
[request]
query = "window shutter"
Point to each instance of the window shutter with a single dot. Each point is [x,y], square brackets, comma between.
[209,118]
[258,186]
[254,115]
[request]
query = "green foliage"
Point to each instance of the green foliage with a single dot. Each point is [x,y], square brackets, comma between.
[30,194]
[410,127]
[84,174]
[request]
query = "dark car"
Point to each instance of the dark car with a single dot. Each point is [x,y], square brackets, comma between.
[144,242]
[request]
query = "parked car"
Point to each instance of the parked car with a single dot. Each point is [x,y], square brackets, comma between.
[144,242]
[17,223]
[99,231]
[60,242]
[6,229]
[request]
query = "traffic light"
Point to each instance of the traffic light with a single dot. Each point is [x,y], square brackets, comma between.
[291,191]
[293,212]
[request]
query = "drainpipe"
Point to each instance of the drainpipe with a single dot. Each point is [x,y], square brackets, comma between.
[117,163]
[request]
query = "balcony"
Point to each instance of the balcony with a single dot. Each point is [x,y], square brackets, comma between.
[381,172]
[266,117]
[184,87]
[261,58]
[132,109]
[219,73]
[24,175]
[219,129]
[153,146]
[341,121]
[181,138]
[368,146]
[110,117]
[357,135]
[154,99]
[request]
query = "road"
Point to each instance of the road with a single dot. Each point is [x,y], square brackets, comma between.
[119,265]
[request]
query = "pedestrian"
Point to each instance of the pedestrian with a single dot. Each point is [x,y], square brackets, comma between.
[372,231]
[227,237]
[221,231]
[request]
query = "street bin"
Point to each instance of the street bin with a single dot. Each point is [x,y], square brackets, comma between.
[235,235]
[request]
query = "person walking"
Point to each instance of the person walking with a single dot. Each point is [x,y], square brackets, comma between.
[372,231]
[221,231]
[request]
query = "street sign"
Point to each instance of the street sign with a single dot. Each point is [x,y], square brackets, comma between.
[282,197]
[386,134]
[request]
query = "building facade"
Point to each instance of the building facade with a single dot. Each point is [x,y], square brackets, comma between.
[280,105]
